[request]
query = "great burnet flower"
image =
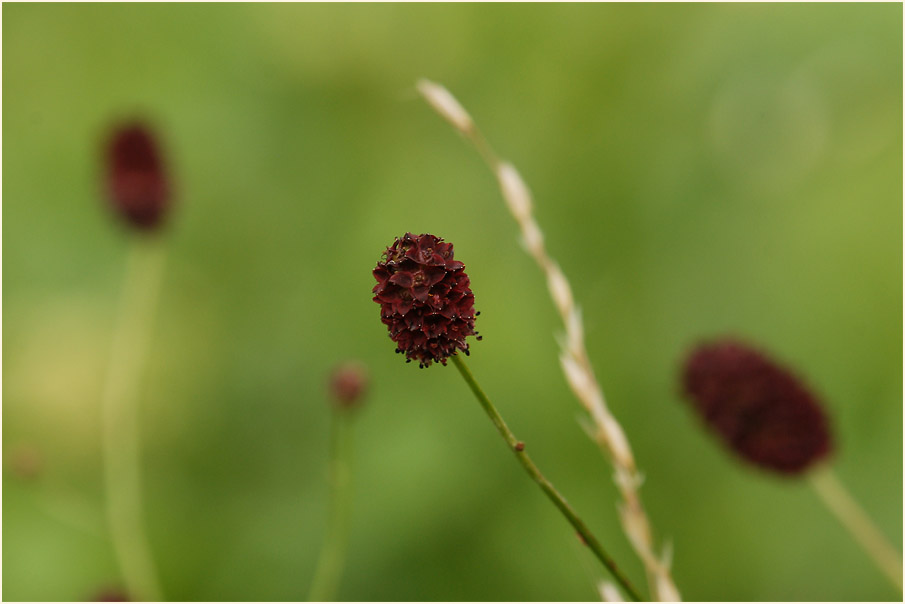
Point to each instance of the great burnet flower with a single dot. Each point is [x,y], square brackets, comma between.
[759,408]
[425,299]
[137,182]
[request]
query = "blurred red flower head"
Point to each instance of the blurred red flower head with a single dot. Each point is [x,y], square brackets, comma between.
[757,407]
[137,182]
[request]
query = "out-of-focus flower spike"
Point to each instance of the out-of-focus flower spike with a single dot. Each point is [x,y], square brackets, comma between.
[757,407]
[137,182]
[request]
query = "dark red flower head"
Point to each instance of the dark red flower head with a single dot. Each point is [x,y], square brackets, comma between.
[136,180]
[759,409]
[424,299]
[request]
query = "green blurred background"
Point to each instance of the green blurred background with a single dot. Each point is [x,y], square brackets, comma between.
[698,170]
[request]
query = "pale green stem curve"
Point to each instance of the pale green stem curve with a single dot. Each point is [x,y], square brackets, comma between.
[837,498]
[121,426]
[558,500]
[333,553]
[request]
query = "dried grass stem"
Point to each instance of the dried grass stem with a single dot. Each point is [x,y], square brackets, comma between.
[573,356]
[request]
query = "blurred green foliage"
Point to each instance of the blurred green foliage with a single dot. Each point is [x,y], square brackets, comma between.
[698,170]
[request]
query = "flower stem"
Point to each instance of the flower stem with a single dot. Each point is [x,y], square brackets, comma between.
[333,554]
[519,449]
[121,426]
[858,523]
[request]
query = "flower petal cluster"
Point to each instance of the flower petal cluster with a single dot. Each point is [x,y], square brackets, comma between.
[425,299]
[758,408]
[136,180]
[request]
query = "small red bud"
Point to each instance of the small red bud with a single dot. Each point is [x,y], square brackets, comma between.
[25,462]
[348,384]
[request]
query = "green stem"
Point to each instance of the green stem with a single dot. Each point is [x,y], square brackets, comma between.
[333,554]
[835,496]
[519,449]
[121,426]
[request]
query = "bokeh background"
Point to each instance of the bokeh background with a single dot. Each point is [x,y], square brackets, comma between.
[698,170]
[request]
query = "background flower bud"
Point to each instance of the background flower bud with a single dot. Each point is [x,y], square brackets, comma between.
[757,407]
[348,384]
[25,462]
[136,179]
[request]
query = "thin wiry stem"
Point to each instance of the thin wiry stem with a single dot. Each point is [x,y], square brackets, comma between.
[333,554]
[549,490]
[837,498]
[121,426]
[574,357]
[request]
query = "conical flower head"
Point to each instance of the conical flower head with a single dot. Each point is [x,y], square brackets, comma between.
[759,409]
[136,179]
[425,299]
